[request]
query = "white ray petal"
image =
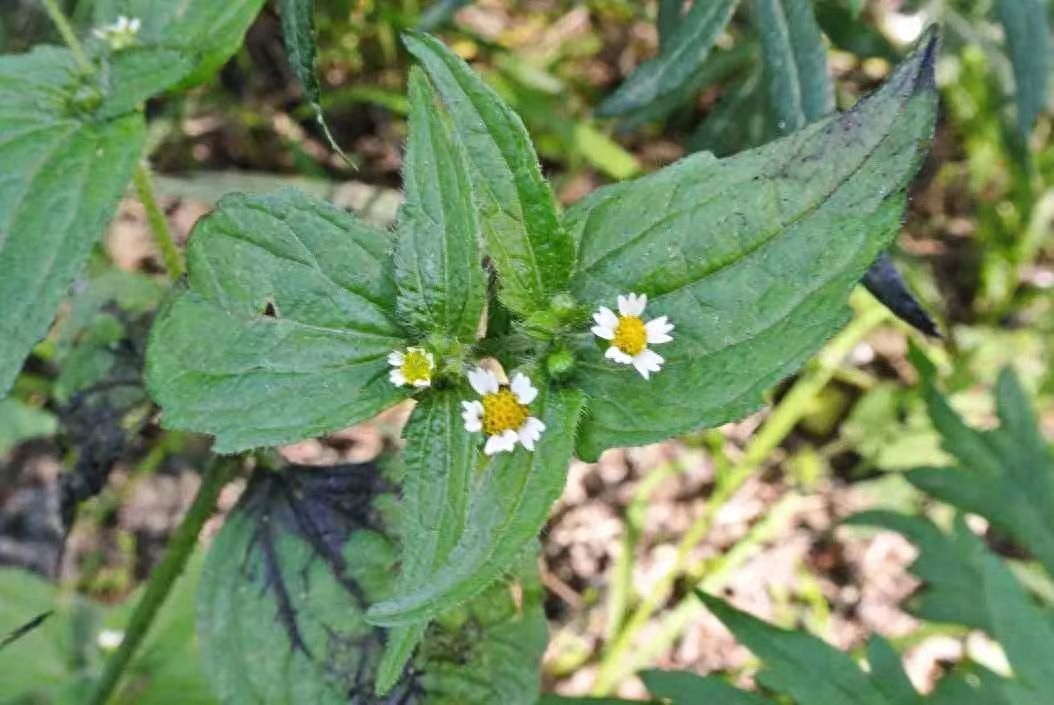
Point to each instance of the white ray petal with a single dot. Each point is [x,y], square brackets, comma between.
[483,381]
[604,316]
[397,378]
[395,358]
[617,355]
[523,389]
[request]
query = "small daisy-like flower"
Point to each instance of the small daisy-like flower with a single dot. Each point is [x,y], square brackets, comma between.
[502,413]
[121,34]
[412,367]
[630,335]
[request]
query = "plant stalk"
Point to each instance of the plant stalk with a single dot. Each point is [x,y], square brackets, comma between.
[779,424]
[170,255]
[164,577]
[64,27]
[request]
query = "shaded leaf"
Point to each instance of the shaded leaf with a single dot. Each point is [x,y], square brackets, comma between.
[507,509]
[440,457]
[440,12]
[284,331]
[673,71]
[888,675]
[1028,39]
[20,421]
[885,284]
[531,251]
[752,258]
[437,257]
[66,164]
[972,686]
[683,688]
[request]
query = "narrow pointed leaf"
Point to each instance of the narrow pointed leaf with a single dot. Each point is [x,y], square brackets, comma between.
[795,61]
[65,163]
[284,331]
[670,76]
[531,251]
[440,457]
[684,688]
[752,257]
[887,673]
[437,258]
[507,509]
[887,285]
[792,660]
[1028,37]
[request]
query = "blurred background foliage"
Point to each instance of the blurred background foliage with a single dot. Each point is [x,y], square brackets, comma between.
[637,532]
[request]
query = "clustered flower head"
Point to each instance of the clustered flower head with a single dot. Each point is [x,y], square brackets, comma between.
[503,411]
[121,34]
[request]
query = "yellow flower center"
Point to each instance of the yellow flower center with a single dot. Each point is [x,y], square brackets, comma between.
[630,335]
[503,412]
[416,367]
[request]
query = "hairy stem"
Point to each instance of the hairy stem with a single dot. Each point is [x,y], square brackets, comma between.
[781,421]
[164,577]
[144,186]
[68,35]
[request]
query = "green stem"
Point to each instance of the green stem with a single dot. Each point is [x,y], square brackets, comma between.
[779,424]
[180,547]
[144,186]
[68,35]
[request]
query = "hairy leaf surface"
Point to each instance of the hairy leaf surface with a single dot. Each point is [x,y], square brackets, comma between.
[507,508]
[795,62]
[752,258]
[437,258]
[286,584]
[65,165]
[440,457]
[532,252]
[284,330]
[671,75]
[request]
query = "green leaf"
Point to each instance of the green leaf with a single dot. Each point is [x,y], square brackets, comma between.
[440,457]
[563,700]
[673,72]
[887,673]
[440,12]
[65,167]
[1028,39]
[20,422]
[507,509]
[531,251]
[740,120]
[437,258]
[683,688]
[284,331]
[285,586]
[298,35]
[179,43]
[1006,475]
[975,686]
[795,62]
[751,257]
[792,660]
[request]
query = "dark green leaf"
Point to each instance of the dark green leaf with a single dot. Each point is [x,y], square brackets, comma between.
[885,284]
[532,252]
[287,581]
[1006,475]
[182,43]
[752,258]
[740,119]
[669,19]
[975,686]
[64,169]
[795,62]
[562,700]
[683,688]
[439,12]
[284,331]
[1028,38]
[507,509]
[440,457]
[887,673]
[654,81]
[793,659]
[20,421]
[437,259]
[298,34]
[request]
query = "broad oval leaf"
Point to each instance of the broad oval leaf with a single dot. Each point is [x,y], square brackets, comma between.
[437,258]
[65,165]
[284,331]
[440,457]
[670,76]
[795,62]
[285,585]
[532,252]
[507,509]
[752,258]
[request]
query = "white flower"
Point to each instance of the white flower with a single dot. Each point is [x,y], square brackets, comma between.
[630,335]
[121,34]
[502,413]
[412,367]
[109,639]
